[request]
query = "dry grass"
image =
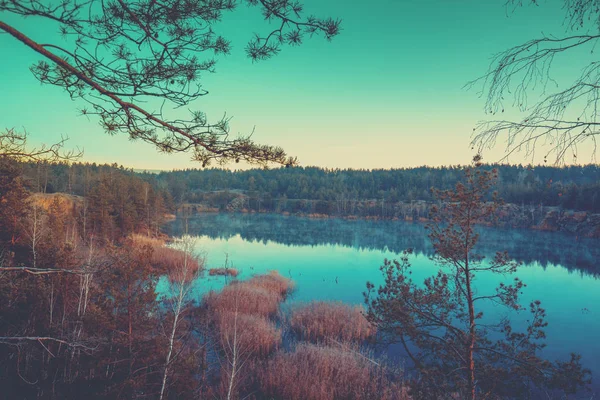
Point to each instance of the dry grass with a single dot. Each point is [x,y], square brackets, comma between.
[174,262]
[245,298]
[256,335]
[326,373]
[143,240]
[259,295]
[322,321]
[241,313]
[274,283]
[223,272]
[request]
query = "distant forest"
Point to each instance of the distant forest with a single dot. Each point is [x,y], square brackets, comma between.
[330,191]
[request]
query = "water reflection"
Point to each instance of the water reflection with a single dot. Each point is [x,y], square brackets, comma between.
[332,259]
[528,246]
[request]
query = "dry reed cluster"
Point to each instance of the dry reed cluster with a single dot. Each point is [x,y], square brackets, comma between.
[274,283]
[174,262]
[242,313]
[243,298]
[244,330]
[316,372]
[223,272]
[260,295]
[244,309]
[256,335]
[320,322]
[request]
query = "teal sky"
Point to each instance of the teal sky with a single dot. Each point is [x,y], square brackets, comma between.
[387,92]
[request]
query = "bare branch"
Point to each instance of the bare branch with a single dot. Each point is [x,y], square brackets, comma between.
[559,120]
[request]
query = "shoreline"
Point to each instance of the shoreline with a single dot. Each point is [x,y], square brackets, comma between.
[549,219]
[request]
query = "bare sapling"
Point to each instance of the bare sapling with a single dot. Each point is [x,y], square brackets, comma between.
[181,280]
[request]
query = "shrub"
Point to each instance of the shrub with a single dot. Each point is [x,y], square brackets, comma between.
[315,372]
[322,321]
[223,272]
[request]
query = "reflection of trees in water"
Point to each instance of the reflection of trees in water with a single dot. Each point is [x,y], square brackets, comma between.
[523,245]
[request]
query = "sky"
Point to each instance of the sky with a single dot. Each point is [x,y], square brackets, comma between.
[388,92]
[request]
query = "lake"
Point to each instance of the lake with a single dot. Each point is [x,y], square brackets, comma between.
[331,259]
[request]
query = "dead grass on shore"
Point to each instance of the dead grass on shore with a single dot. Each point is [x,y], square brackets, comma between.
[274,283]
[173,262]
[319,322]
[256,335]
[316,372]
[260,295]
[244,298]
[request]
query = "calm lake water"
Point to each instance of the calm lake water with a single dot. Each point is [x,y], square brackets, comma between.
[332,259]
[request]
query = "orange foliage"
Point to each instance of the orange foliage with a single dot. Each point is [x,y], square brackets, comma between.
[321,321]
[326,373]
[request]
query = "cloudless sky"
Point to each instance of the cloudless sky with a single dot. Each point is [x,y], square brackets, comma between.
[387,92]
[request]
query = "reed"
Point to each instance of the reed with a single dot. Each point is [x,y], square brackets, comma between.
[256,335]
[223,272]
[320,322]
[316,372]
[175,263]
[244,298]
[274,283]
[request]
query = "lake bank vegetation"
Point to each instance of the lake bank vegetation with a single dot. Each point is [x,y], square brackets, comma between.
[81,315]
[542,197]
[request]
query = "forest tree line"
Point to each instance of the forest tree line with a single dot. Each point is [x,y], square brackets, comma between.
[320,190]
[572,187]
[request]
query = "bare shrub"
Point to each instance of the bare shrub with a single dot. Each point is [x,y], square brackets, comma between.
[315,372]
[321,321]
[181,278]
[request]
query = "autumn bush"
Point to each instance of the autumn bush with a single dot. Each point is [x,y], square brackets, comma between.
[223,272]
[322,321]
[316,372]
[256,335]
